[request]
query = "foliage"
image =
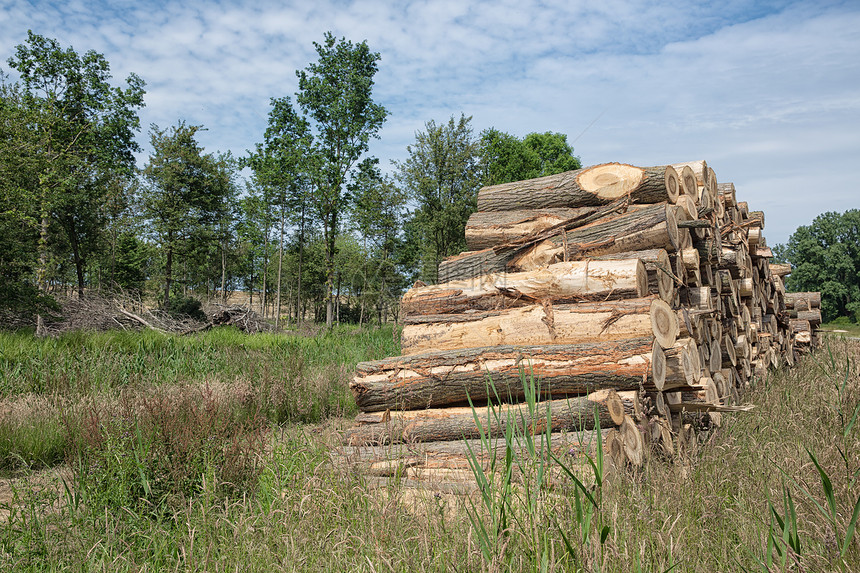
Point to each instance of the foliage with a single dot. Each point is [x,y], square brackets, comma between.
[442,175]
[825,257]
[505,158]
[78,136]
[187,195]
[336,94]
[185,307]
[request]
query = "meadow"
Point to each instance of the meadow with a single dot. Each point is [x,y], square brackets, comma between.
[220,451]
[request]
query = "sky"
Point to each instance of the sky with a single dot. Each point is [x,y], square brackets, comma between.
[768,93]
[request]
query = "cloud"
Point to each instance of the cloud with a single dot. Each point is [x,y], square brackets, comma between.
[767,91]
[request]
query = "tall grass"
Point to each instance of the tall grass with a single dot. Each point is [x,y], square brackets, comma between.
[754,498]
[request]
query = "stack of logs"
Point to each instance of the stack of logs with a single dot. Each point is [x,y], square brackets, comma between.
[645,296]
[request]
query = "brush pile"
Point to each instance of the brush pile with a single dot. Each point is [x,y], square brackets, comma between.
[641,297]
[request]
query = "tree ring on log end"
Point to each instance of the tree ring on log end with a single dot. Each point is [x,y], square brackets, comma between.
[658,366]
[632,441]
[664,323]
[673,184]
[615,407]
[611,180]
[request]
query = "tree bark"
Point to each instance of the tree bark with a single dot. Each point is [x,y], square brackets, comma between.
[571,414]
[543,324]
[560,282]
[440,378]
[598,185]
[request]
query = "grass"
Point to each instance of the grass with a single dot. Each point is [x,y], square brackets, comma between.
[842,329]
[775,489]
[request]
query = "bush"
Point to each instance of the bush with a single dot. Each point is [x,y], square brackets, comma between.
[185,307]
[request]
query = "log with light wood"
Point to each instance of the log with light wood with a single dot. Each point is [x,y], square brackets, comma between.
[560,282]
[543,324]
[486,229]
[597,185]
[442,424]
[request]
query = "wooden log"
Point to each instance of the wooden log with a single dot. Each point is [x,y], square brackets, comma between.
[543,324]
[689,185]
[439,378]
[661,277]
[674,367]
[562,282]
[814,298]
[488,229]
[648,227]
[727,192]
[446,424]
[780,269]
[597,185]
[631,441]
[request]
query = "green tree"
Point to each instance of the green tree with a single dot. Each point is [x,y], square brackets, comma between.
[442,175]
[505,158]
[825,256]
[186,193]
[283,163]
[80,135]
[336,94]
[376,215]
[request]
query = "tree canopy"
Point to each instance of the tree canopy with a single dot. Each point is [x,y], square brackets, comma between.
[506,158]
[825,256]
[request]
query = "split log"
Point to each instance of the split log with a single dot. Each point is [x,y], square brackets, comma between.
[446,424]
[543,324]
[497,373]
[597,185]
[488,229]
[560,282]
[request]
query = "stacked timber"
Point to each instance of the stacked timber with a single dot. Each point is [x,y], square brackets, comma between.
[643,298]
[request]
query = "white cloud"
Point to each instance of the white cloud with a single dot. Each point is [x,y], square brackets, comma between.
[767,92]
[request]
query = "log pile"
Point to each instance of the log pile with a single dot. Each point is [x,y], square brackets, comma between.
[642,297]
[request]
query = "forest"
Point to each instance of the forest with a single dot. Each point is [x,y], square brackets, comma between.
[306,226]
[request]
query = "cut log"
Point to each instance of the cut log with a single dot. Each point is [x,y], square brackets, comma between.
[661,277]
[497,373]
[631,441]
[597,185]
[446,424]
[488,229]
[647,227]
[543,324]
[673,367]
[562,282]
[813,298]
[780,269]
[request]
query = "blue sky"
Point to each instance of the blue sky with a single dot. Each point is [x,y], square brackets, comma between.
[767,92]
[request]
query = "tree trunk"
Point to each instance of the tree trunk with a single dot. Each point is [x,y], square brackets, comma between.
[168,269]
[661,276]
[543,324]
[495,373]
[598,185]
[570,282]
[571,414]
[280,270]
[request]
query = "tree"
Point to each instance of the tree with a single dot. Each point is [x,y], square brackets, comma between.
[336,94]
[505,158]
[186,191]
[825,256]
[80,136]
[376,215]
[283,163]
[442,175]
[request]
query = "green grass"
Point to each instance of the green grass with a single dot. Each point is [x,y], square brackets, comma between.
[302,509]
[851,329]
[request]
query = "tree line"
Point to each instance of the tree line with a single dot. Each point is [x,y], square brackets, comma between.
[318,230]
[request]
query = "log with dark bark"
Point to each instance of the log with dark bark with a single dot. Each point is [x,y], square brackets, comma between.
[439,378]
[597,185]
[560,282]
[444,424]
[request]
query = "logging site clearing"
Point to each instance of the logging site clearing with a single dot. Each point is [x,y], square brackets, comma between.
[612,378]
